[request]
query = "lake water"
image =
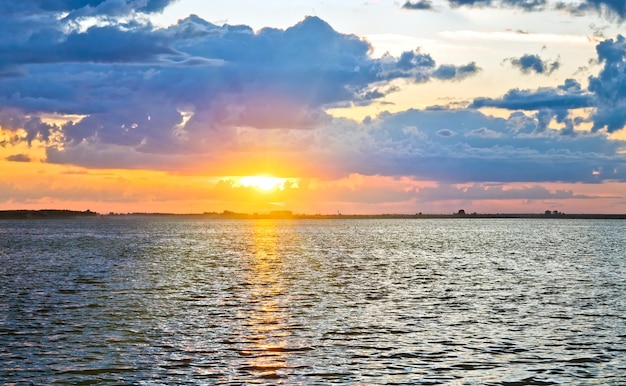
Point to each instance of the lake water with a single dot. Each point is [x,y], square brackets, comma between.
[363,302]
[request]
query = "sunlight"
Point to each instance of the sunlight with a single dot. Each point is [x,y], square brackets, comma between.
[265,183]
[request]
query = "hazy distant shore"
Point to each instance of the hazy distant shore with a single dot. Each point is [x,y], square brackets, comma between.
[61,214]
[43,214]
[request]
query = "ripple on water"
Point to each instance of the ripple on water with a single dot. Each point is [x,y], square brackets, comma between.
[162,301]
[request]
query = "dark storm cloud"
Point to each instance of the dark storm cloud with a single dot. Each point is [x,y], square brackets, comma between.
[528,63]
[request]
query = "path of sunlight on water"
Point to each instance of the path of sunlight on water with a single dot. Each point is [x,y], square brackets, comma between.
[175,301]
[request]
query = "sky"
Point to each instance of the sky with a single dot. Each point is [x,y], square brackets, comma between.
[354,107]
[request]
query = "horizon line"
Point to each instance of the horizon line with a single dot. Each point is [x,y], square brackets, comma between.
[285,214]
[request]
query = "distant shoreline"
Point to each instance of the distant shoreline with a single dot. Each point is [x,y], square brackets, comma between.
[26,214]
[67,214]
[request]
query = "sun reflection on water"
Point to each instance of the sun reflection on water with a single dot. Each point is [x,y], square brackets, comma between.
[266,320]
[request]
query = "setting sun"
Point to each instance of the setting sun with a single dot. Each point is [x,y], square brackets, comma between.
[265,183]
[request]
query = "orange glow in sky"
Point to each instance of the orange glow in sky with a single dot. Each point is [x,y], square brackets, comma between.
[265,183]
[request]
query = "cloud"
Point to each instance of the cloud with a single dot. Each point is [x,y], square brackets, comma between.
[18,158]
[39,32]
[92,46]
[451,72]
[567,96]
[418,5]
[611,9]
[420,143]
[548,103]
[483,132]
[196,93]
[609,87]
[445,133]
[182,89]
[605,94]
[99,7]
[471,3]
[526,5]
[496,192]
[452,146]
[528,63]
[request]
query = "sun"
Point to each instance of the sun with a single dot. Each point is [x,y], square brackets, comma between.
[265,183]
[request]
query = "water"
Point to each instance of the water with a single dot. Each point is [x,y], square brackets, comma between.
[440,301]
